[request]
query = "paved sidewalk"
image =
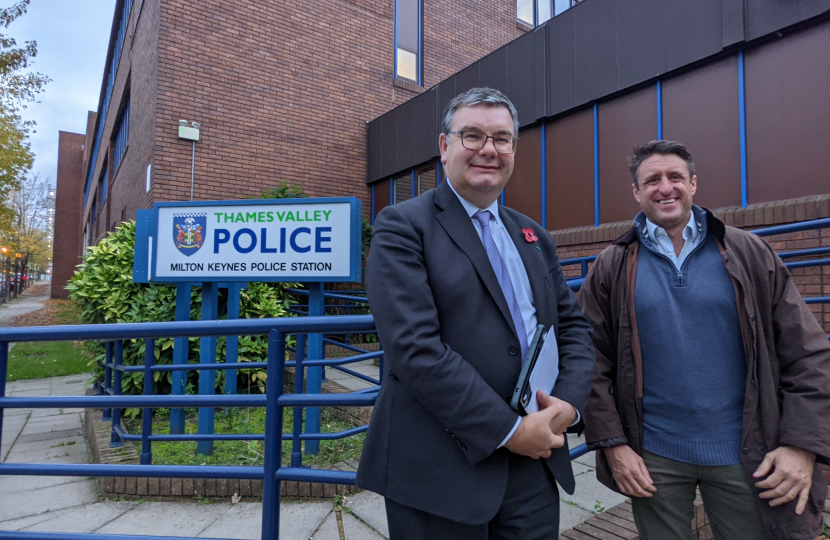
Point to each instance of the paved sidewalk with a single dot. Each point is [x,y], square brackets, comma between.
[70,504]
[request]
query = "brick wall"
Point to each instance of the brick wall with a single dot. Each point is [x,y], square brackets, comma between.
[812,281]
[283,90]
[128,184]
[68,201]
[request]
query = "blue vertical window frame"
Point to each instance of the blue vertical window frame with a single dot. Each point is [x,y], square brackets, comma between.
[596,165]
[106,91]
[438,172]
[413,182]
[544,178]
[408,40]
[742,121]
[659,109]
[391,191]
[122,136]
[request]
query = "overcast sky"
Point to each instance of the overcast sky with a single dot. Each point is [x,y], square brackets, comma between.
[72,38]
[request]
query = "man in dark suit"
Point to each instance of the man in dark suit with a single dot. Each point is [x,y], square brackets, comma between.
[457,285]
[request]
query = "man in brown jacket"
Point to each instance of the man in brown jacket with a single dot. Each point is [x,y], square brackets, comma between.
[711,372]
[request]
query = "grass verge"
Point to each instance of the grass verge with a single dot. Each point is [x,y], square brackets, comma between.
[47,359]
[245,452]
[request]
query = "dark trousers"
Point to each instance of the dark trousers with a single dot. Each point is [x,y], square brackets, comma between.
[529,511]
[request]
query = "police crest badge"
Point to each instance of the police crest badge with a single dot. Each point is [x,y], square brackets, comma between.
[189,232]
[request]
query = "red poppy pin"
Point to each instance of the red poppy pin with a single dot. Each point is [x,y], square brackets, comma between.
[529,236]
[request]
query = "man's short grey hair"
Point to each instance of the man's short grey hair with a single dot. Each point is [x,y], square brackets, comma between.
[479,96]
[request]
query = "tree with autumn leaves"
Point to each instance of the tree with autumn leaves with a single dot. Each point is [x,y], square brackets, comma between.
[24,224]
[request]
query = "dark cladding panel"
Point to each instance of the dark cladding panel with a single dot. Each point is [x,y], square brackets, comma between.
[732,18]
[624,123]
[700,110]
[524,190]
[569,179]
[595,50]
[788,117]
[389,144]
[521,76]
[493,70]
[375,150]
[426,125]
[693,30]
[382,195]
[406,135]
[561,71]
[765,16]
[641,46]
[446,91]
[467,78]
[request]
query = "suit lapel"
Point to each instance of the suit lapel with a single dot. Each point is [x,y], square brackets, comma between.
[459,227]
[534,264]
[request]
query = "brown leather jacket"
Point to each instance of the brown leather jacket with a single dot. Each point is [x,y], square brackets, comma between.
[788,365]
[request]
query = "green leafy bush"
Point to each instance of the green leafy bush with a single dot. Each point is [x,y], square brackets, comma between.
[104,292]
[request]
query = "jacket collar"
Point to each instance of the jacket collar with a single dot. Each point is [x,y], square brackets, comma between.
[713,225]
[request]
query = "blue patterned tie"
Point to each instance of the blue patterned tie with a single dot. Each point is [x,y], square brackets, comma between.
[503,277]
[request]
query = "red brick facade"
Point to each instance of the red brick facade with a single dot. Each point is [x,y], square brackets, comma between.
[68,202]
[282,90]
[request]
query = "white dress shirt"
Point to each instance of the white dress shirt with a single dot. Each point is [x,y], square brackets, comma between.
[515,269]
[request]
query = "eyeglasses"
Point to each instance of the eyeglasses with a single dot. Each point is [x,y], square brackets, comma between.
[475,140]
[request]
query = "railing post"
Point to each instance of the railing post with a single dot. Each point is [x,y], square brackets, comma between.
[314,383]
[273,436]
[115,439]
[107,413]
[584,268]
[4,372]
[232,343]
[299,380]
[147,412]
[181,348]
[207,355]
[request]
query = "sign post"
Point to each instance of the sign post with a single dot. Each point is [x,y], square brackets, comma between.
[310,241]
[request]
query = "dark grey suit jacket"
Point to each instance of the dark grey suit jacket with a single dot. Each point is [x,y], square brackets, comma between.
[452,357]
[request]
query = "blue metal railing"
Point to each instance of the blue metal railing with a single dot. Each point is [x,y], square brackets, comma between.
[274,400]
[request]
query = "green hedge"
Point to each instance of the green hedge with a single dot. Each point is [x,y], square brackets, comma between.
[104,292]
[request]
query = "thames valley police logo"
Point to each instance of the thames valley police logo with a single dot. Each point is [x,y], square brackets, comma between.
[189,232]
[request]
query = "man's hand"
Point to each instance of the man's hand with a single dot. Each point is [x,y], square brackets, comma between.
[792,477]
[630,471]
[561,421]
[533,437]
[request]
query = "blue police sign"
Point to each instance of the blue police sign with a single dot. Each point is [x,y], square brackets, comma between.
[254,240]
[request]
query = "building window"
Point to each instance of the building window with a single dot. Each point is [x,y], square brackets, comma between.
[102,187]
[122,136]
[426,180]
[536,12]
[402,188]
[408,40]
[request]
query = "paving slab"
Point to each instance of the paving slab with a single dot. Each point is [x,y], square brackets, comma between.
[166,519]
[49,435]
[49,424]
[37,452]
[21,523]
[355,530]
[243,520]
[370,508]
[328,530]
[84,519]
[10,485]
[37,501]
[300,520]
